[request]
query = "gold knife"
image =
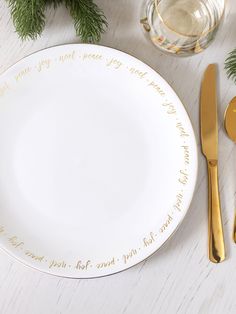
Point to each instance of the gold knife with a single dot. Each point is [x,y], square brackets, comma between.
[209,138]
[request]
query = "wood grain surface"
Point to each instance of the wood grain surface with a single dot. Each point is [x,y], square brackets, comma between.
[179,278]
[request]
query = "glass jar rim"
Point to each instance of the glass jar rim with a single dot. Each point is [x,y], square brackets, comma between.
[197,36]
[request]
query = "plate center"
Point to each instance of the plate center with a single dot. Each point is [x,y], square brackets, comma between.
[75,159]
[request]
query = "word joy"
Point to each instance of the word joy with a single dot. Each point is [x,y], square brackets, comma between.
[149,240]
[43,64]
[170,108]
[114,63]
[83,265]
[15,242]
[183,177]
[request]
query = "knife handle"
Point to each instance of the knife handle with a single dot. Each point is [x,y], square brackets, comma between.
[215,231]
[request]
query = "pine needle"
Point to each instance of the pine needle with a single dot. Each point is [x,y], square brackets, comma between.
[54,3]
[230,65]
[28,17]
[89,20]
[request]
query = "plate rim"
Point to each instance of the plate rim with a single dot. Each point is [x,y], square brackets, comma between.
[35,268]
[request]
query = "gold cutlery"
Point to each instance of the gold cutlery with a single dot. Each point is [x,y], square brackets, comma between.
[230,126]
[209,138]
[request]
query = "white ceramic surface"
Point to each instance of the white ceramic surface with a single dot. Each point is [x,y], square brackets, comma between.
[98,161]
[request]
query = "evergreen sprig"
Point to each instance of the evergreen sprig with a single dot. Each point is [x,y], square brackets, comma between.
[29,19]
[89,20]
[230,65]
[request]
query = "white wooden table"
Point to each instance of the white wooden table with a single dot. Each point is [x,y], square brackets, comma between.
[179,278]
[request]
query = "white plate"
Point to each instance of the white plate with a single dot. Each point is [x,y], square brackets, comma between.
[98,161]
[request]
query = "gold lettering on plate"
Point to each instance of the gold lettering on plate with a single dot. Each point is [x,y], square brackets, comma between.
[3,88]
[166,223]
[179,201]
[181,129]
[91,56]
[157,88]
[33,256]
[83,265]
[183,179]
[169,107]
[129,255]
[149,240]
[106,264]
[67,57]
[116,64]
[15,242]
[57,264]
[186,154]
[43,64]
[138,73]
[22,73]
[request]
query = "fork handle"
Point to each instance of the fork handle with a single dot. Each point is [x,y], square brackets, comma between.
[215,229]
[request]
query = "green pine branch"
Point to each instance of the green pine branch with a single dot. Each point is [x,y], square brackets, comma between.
[29,19]
[230,65]
[89,20]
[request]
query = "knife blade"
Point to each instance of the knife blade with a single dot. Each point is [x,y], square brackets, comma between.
[209,139]
[209,117]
